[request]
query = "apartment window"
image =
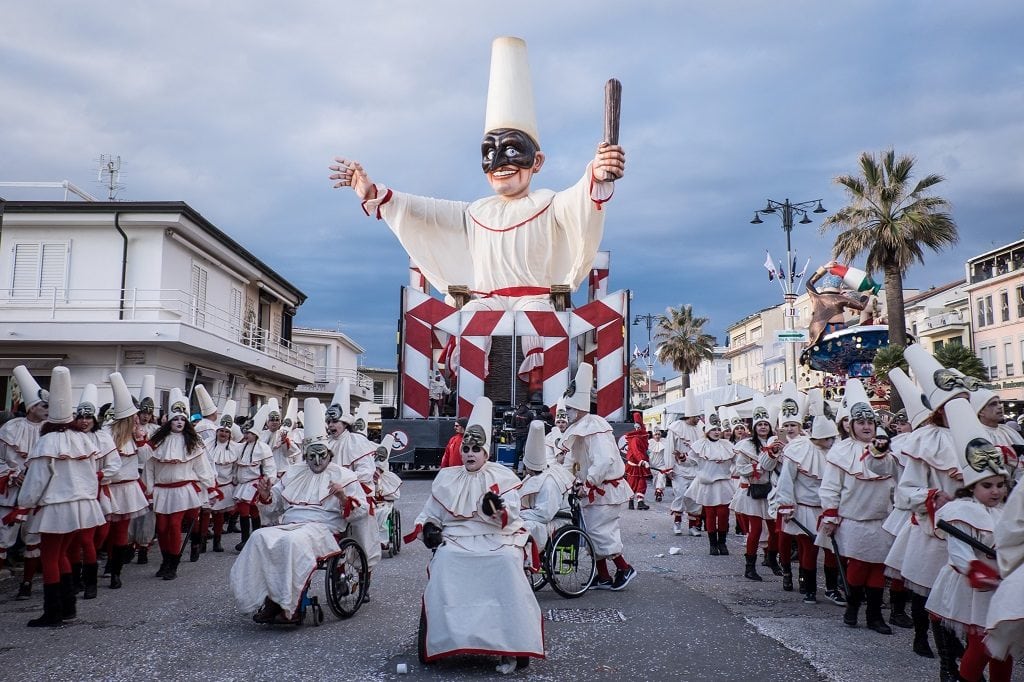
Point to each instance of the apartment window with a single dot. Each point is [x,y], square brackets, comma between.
[378,392]
[1004,306]
[1022,355]
[988,359]
[236,309]
[40,268]
[955,341]
[199,279]
[981,312]
[937,346]
[1008,358]
[989,319]
[1020,301]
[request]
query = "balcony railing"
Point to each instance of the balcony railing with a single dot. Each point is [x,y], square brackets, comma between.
[333,375]
[944,320]
[147,305]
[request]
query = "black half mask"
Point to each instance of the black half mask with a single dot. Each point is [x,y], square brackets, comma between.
[507,147]
[981,454]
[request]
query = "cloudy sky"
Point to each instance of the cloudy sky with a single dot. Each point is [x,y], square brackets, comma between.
[238,107]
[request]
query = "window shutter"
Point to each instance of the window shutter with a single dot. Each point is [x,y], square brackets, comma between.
[25,281]
[53,269]
[199,276]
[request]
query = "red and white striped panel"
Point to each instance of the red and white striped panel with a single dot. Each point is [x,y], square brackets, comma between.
[608,317]
[476,330]
[421,314]
[553,327]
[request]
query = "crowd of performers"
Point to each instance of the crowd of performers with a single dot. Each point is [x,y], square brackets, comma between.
[802,480]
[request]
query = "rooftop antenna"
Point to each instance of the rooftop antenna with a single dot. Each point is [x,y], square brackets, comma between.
[110,174]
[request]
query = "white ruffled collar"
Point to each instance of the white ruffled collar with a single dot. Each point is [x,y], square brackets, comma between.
[173,449]
[223,453]
[460,491]
[68,444]
[303,487]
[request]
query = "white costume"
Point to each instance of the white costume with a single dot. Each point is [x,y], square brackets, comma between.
[17,437]
[178,478]
[684,465]
[60,484]
[355,451]
[224,458]
[386,488]
[750,465]
[286,452]
[658,458]
[543,494]
[713,484]
[255,461]
[1005,620]
[800,476]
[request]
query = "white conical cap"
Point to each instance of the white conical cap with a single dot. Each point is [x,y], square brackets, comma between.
[723,418]
[178,403]
[478,429]
[291,415]
[977,456]
[275,407]
[206,405]
[791,409]
[342,393]
[857,402]
[577,395]
[315,426]
[383,452]
[691,408]
[362,420]
[148,388]
[62,410]
[823,427]
[227,414]
[759,412]
[510,90]
[981,397]
[815,402]
[87,401]
[124,406]
[535,454]
[711,420]
[259,420]
[302,416]
[910,393]
[927,370]
[31,393]
[734,417]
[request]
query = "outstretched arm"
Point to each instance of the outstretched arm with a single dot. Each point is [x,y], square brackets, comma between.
[349,173]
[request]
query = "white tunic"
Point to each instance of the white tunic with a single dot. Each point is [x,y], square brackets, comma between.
[355,452]
[803,464]
[255,461]
[125,487]
[178,478]
[713,485]
[543,496]
[60,484]
[748,465]
[286,452]
[108,463]
[1005,620]
[17,437]
[223,458]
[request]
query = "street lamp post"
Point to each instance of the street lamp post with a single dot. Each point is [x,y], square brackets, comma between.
[787,277]
[649,319]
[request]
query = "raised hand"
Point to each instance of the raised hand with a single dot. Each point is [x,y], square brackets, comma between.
[348,173]
[609,162]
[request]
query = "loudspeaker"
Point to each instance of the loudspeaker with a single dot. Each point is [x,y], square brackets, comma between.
[387,412]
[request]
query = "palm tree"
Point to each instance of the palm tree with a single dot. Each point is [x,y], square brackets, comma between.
[961,357]
[891,223]
[888,358]
[682,342]
[637,382]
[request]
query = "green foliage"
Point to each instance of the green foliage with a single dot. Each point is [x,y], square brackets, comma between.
[962,358]
[888,358]
[682,342]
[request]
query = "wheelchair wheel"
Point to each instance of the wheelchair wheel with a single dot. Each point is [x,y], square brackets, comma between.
[570,564]
[396,531]
[345,582]
[537,580]
[421,637]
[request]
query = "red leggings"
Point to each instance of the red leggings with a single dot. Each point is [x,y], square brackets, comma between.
[809,553]
[716,518]
[100,535]
[168,529]
[753,527]
[54,548]
[119,532]
[248,509]
[972,665]
[218,523]
[82,547]
[861,573]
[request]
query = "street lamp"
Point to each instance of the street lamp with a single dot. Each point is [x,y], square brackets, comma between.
[786,211]
[649,319]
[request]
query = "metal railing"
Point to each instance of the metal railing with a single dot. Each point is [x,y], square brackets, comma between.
[333,375]
[147,305]
[943,319]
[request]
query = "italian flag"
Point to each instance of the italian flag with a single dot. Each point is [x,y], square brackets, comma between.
[858,280]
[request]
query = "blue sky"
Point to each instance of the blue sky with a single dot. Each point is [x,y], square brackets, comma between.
[238,107]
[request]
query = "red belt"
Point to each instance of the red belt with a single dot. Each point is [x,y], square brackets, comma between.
[515,292]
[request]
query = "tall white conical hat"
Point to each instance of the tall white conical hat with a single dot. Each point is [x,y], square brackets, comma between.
[87,402]
[259,420]
[823,427]
[711,420]
[341,401]
[383,452]
[815,402]
[124,406]
[302,416]
[981,397]
[361,422]
[535,455]
[62,410]
[691,408]
[147,393]
[577,395]
[206,405]
[791,409]
[227,415]
[910,393]
[857,402]
[31,393]
[292,413]
[734,416]
[938,383]
[315,426]
[760,413]
[723,418]
[510,90]
[560,409]
[977,456]
[178,404]
[478,429]
[275,407]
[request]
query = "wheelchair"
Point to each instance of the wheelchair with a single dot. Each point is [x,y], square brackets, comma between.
[393,524]
[345,583]
[568,561]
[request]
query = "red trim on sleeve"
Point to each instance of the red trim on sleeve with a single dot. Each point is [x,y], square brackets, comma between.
[386,199]
[413,535]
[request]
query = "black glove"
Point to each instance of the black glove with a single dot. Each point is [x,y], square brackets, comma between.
[432,537]
[492,504]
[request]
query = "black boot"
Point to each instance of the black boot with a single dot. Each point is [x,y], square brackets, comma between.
[854,597]
[143,555]
[122,555]
[172,567]
[873,612]
[51,608]
[722,549]
[809,585]
[164,563]
[751,572]
[632,504]
[217,547]
[949,671]
[108,559]
[245,522]
[898,609]
[257,523]
[232,523]
[194,549]
[832,591]
[787,577]
[76,576]
[68,599]
[90,576]
[771,561]
[713,542]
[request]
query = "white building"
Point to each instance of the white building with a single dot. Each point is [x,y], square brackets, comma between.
[711,374]
[142,288]
[335,357]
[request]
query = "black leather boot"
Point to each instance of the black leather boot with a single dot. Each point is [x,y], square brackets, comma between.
[172,567]
[217,547]
[873,612]
[51,608]
[245,523]
[949,671]
[832,591]
[90,576]
[853,601]
[68,598]
[809,585]
[164,563]
[751,572]
[122,555]
[898,609]
[722,549]
[232,523]
[143,555]
[787,577]
[713,542]
[76,576]
[195,547]
[771,561]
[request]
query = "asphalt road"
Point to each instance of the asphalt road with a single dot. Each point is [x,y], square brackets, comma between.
[688,616]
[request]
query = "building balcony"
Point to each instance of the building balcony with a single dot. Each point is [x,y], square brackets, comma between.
[170,317]
[326,380]
[944,323]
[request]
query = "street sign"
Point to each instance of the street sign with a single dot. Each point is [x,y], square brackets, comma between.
[791,335]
